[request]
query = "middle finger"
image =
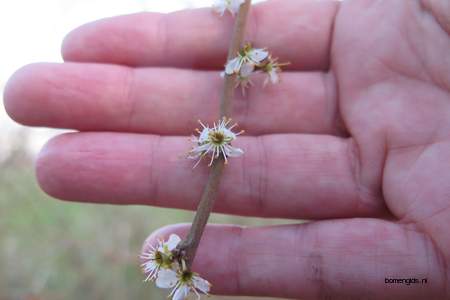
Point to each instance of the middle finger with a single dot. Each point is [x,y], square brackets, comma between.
[96,97]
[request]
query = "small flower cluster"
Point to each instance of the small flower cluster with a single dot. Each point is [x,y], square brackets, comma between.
[252,61]
[221,6]
[215,142]
[161,264]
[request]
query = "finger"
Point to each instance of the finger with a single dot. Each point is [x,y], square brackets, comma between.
[94,97]
[296,31]
[289,176]
[341,259]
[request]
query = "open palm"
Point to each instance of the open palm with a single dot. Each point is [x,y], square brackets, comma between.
[357,133]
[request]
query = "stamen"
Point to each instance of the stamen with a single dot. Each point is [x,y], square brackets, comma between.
[228,120]
[196,164]
[212,158]
[235,124]
[283,64]
[224,154]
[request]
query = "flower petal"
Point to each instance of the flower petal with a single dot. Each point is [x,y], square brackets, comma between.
[229,134]
[150,265]
[173,242]
[233,66]
[234,152]
[247,69]
[166,279]
[181,293]
[274,77]
[235,5]
[258,55]
[220,6]
[194,155]
[204,135]
[201,284]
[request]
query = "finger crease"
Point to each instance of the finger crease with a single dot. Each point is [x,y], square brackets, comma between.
[128,96]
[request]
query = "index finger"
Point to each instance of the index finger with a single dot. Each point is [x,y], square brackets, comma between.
[296,31]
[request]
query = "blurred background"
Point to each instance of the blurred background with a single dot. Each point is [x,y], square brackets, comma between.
[51,249]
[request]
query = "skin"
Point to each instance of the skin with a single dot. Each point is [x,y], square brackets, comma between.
[356,137]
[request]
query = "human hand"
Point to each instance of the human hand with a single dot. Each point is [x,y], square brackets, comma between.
[357,135]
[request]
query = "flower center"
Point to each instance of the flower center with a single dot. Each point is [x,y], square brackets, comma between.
[186,276]
[159,258]
[268,68]
[163,260]
[217,137]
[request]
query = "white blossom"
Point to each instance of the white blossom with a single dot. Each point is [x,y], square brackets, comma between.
[215,142]
[221,6]
[182,283]
[159,257]
[273,70]
[245,65]
[251,61]
[246,61]
[272,76]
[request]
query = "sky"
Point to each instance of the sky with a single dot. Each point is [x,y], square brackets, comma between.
[32,31]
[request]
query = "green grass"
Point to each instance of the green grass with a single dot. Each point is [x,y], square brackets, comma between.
[57,250]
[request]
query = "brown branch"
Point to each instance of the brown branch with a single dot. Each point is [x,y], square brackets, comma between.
[188,247]
[236,45]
